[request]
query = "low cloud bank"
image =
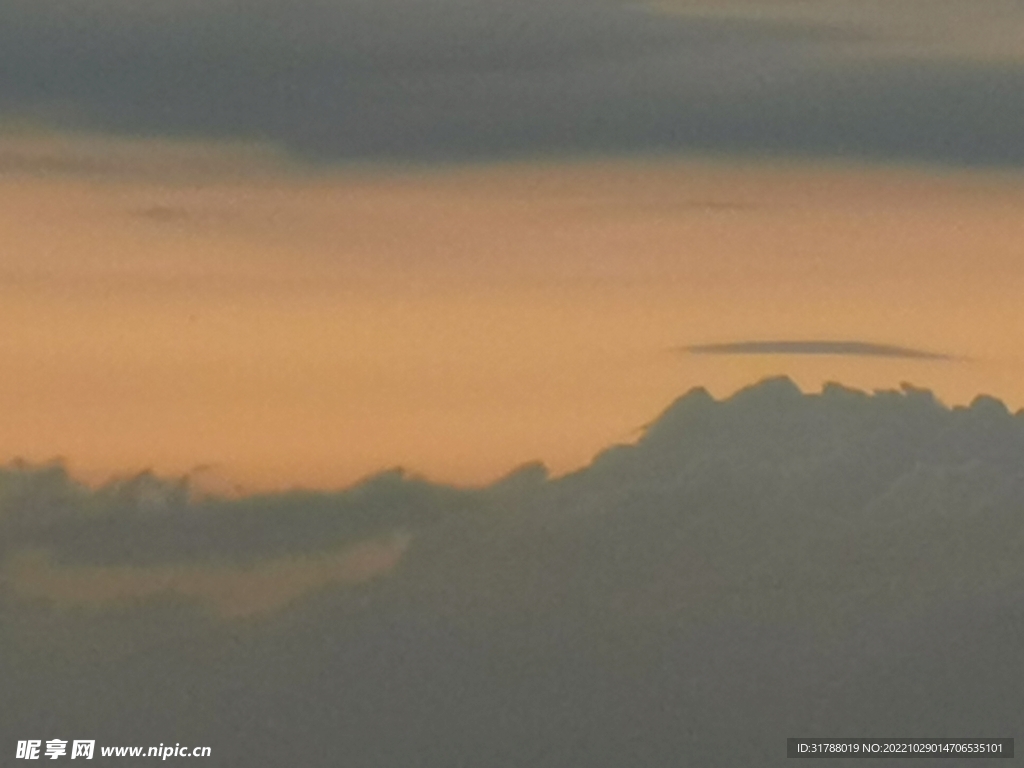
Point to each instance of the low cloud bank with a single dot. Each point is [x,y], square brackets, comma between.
[771,564]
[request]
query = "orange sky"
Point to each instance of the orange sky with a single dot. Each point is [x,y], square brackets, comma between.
[291,328]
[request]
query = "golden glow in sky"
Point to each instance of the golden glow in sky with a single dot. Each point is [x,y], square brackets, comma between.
[289,328]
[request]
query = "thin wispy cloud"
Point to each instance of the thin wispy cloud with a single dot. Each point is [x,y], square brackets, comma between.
[96,156]
[230,591]
[922,29]
[816,347]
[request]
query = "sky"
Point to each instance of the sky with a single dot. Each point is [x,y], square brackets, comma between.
[510,382]
[292,243]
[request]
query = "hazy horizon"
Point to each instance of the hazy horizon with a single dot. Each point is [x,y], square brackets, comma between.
[201,305]
[197,484]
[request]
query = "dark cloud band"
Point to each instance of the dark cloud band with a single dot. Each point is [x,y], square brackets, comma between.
[816,347]
[465,79]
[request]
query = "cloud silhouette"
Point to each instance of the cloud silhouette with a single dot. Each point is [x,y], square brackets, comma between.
[147,521]
[815,347]
[729,572]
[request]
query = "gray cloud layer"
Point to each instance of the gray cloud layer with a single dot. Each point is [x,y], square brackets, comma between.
[771,564]
[486,78]
[815,347]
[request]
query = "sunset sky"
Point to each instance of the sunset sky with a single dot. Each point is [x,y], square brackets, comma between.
[510,383]
[282,243]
